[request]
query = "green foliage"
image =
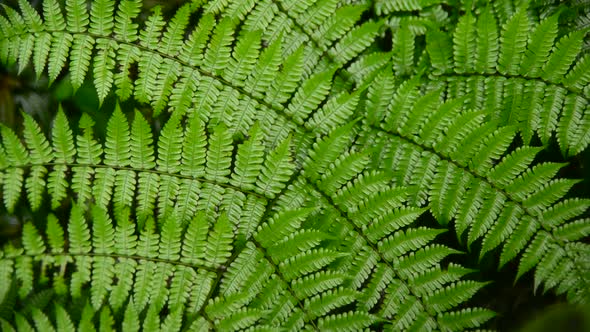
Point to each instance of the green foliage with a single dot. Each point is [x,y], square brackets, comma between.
[293,165]
[521,76]
[460,166]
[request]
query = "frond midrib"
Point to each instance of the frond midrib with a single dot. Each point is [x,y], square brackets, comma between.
[142,170]
[115,256]
[496,74]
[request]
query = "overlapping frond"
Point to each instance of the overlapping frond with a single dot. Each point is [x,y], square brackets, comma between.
[464,169]
[216,72]
[194,272]
[270,272]
[396,265]
[520,73]
[214,228]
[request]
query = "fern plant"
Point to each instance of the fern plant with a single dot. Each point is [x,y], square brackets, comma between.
[237,231]
[542,90]
[459,163]
[308,167]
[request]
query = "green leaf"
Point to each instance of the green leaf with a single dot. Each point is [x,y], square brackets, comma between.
[464,44]
[32,241]
[453,295]
[307,262]
[355,41]
[309,96]
[217,55]
[276,170]
[130,318]
[243,58]
[63,141]
[150,35]
[438,45]
[55,234]
[42,322]
[539,46]
[193,148]
[142,151]
[518,239]
[562,56]
[218,247]
[265,70]
[327,151]
[403,51]
[334,113]
[287,80]
[78,233]
[104,63]
[465,318]
[249,160]
[280,226]
[487,42]
[41,51]
[170,146]
[102,17]
[173,36]
[58,54]
[117,146]
[534,253]
[170,240]
[80,56]
[124,27]
[63,320]
[348,321]
[219,154]
[77,15]
[513,42]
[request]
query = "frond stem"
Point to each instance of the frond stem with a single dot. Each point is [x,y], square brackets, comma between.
[143,170]
[508,76]
[115,256]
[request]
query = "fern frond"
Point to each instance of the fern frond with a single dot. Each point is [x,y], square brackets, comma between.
[466,318]
[403,51]
[487,42]
[501,203]
[277,170]
[529,83]
[188,166]
[387,249]
[171,68]
[57,318]
[438,45]
[562,56]
[157,270]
